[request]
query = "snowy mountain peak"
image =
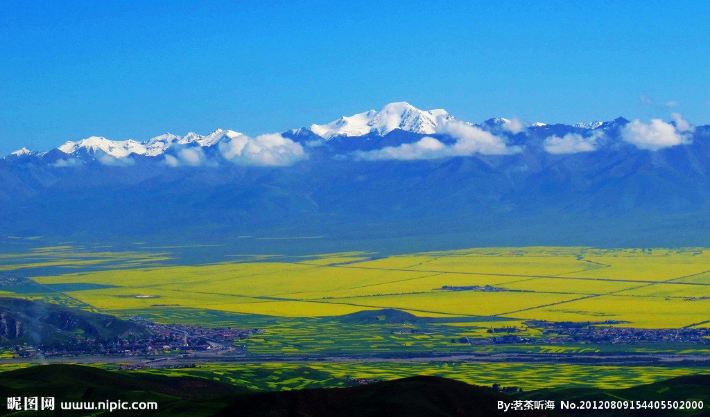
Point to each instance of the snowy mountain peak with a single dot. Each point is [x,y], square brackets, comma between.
[154,146]
[398,115]
[189,137]
[114,148]
[165,137]
[589,125]
[157,145]
[497,121]
[21,152]
[513,125]
[214,137]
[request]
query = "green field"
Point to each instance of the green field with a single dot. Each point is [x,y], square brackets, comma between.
[299,304]
[270,376]
[556,284]
[275,376]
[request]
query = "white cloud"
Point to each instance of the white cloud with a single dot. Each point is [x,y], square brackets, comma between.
[513,125]
[315,143]
[652,136]
[186,157]
[264,150]
[469,140]
[571,143]
[171,161]
[681,124]
[109,160]
[66,163]
[425,148]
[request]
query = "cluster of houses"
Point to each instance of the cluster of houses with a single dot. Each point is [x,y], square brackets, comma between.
[159,339]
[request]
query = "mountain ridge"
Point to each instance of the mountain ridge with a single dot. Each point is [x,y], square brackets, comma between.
[372,124]
[623,183]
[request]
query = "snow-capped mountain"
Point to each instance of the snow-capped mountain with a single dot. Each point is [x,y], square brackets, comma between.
[394,132]
[210,139]
[497,182]
[114,148]
[155,146]
[589,125]
[399,115]
[21,152]
[158,145]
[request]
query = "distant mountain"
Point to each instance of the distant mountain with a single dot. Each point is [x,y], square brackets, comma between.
[21,153]
[395,178]
[393,116]
[589,125]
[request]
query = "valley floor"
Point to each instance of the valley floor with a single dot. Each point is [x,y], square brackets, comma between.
[536,317]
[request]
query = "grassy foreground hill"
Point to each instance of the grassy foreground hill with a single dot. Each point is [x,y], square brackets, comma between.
[410,397]
[176,396]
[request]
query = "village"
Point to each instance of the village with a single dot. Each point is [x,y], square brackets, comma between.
[160,339]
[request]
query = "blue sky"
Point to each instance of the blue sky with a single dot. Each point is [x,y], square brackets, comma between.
[136,69]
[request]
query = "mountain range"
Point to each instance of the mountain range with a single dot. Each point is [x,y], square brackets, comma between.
[400,176]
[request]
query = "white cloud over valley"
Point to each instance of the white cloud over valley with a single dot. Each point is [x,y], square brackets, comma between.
[187,157]
[109,160]
[263,150]
[469,140]
[514,125]
[656,134]
[571,143]
[681,124]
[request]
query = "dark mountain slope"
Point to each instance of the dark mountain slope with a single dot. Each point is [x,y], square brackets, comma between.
[422,396]
[176,396]
[38,323]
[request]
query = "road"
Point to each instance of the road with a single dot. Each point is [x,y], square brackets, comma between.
[190,359]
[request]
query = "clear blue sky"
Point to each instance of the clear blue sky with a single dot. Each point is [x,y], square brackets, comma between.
[134,69]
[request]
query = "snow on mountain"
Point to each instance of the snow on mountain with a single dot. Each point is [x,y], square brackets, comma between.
[589,125]
[511,125]
[159,144]
[152,147]
[21,152]
[497,121]
[400,115]
[211,139]
[114,148]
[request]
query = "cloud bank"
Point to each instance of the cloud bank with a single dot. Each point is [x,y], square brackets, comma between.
[264,150]
[109,160]
[514,125]
[657,134]
[469,140]
[681,124]
[271,150]
[571,143]
[191,157]
[66,163]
